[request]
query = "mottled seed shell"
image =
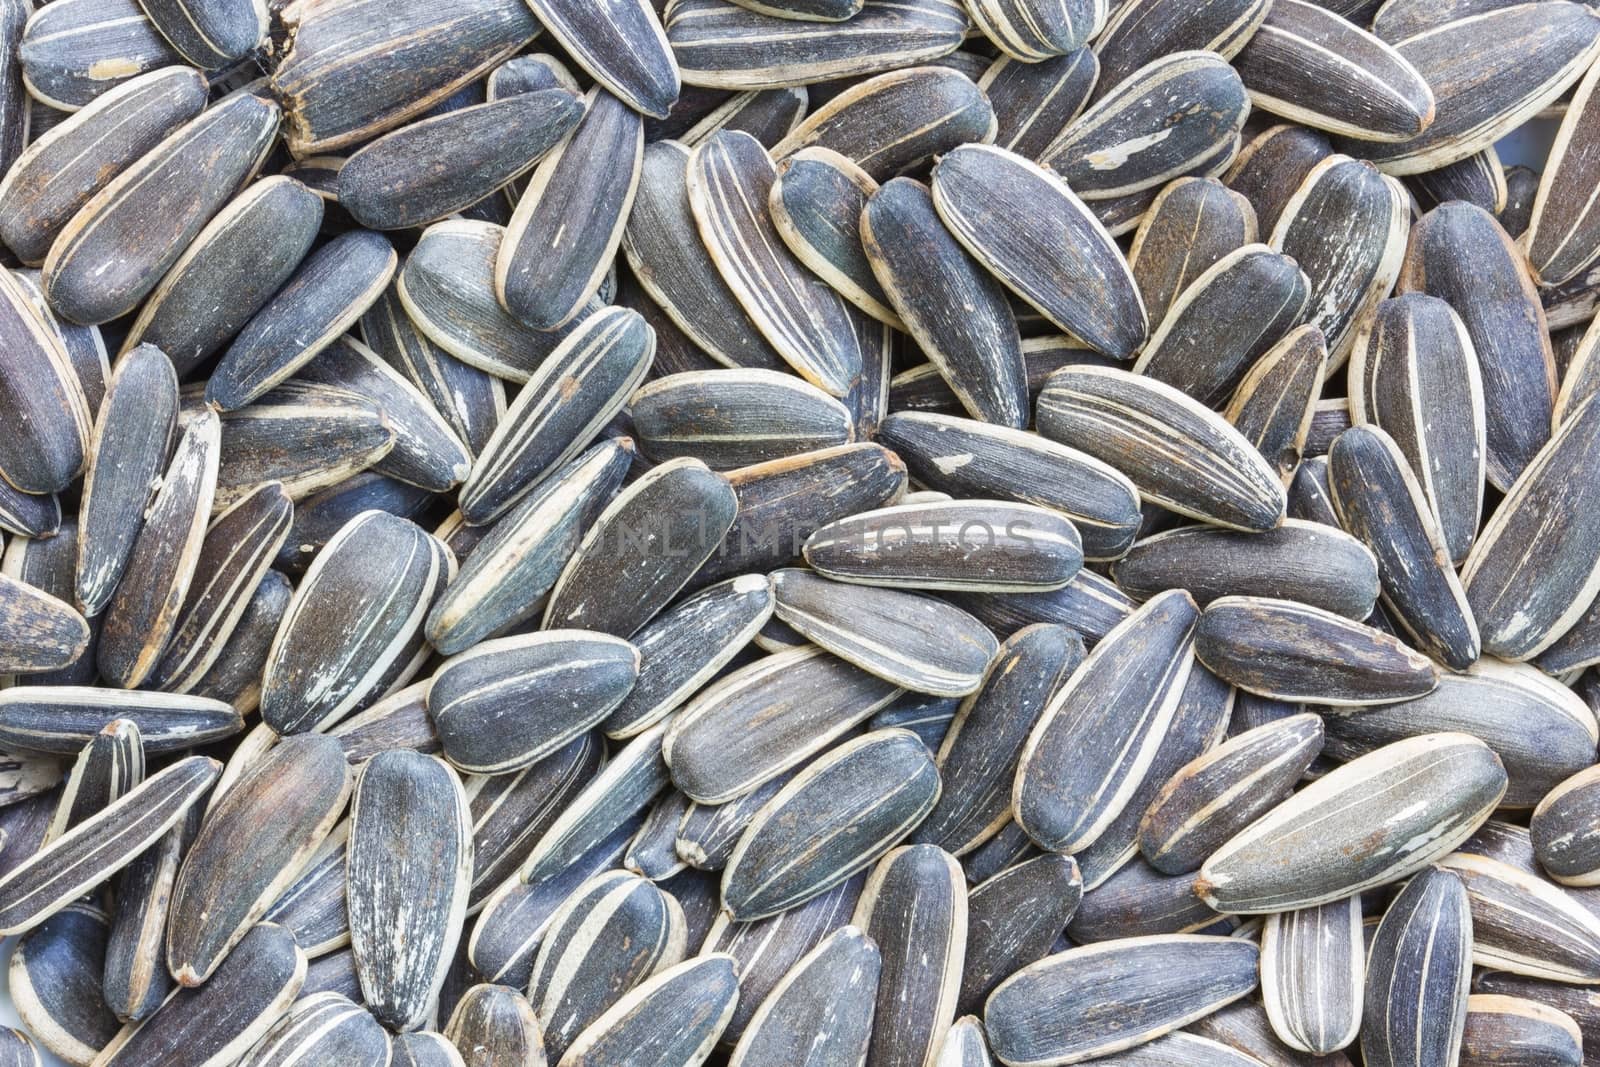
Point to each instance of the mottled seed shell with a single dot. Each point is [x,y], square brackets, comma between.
[40,632]
[1180,454]
[108,766]
[733,418]
[1516,1030]
[62,719]
[1034,101]
[73,54]
[1191,224]
[1144,30]
[1313,969]
[409,865]
[1394,811]
[675,1017]
[1139,901]
[1089,1002]
[53,981]
[1012,920]
[41,397]
[327,1027]
[423,1048]
[1524,924]
[1417,976]
[495,1026]
[1562,835]
[1272,166]
[821,1012]
[621,44]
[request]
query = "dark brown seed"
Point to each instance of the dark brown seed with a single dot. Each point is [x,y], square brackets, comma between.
[1515,1031]
[1193,223]
[1034,101]
[1272,166]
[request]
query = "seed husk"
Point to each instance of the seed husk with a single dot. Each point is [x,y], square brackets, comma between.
[1500,1026]
[1034,101]
[1524,924]
[312,907]
[409,865]
[1561,239]
[56,174]
[964,1045]
[27,775]
[733,418]
[221,1020]
[729,46]
[107,767]
[250,848]
[74,54]
[675,1017]
[1013,919]
[314,674]
[1313,970]
[90,276]
[1139,901]
[1100,999]
[768,115]
[62,719]
[1124,144]
[41,393]
[1178,453]
[1418,971]
[653,853]
[1090,604]
[496,1026]
[1191,224]
[40,632]
[1479,179]
[914,907]
[1272,166]
[28,514]
[46,566]
[423,1048]
[235,677]
[822,1009]
[477,698]
[54,983]
[621,44]
[1417,799]
[327,1027]
[1561,835]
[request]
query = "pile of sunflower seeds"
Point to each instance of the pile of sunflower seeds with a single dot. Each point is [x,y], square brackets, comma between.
[799,533]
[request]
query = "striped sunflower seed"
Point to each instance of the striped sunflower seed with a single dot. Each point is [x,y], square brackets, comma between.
[1497,1026]
[235,677]
[327,1027]
[1032,30]
[621,44]
[28,514]
[409,864]
[250,848]
[1418,971]
[62,719]
[768,115]
[698,996]
[1083,761]
[74,54]
[1561,239]
[1479,179]
[707,833]
[1313,973]
[1562,837]
[27,776]
[1093,1001]
[733,418]
[1034,101]
[653,852]
[39,631]
[1272,166]
[1012,921]
[1088,603]
[41,393]
[47,565]
[107,767]
[1379,800]
[209,35]
[1191,224]
[495,1025]
[576,678]
[312,907]
[964,1045]
[423,1048]
[53,977]
[1523,924]
[822,1011]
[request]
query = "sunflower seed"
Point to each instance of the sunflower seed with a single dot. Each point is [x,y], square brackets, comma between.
[1411,802]
[730,47]
[621,44]
[821,1011]
[312,907]
[574,676]
[1013,919]
[768,115]
[708,832]
[1193,223]
[1272,166]
[1033,102]
[40,632]
[311,681]
[423,1048]
[62,719]
[1479,179]
[675,1017]
[107,767]
[1523,924]
[1561,835]
[409,866]
[48,566]
[41,393]
[71,55]
[1418,970]
[1515,1030]
[964,1045]
[1313,968]
[495,1026]
[323,514]
[1101,999]
[55,983]
[55,176]
[326,1027]
[729,419]
[27,776]
[28,514]
[1139,901]
[235,677]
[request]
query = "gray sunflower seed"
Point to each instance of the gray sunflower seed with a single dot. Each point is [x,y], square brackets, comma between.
[1489,73]
[90,275]
[1012,920]
[1378,499]
[39,632]
[686,646]
[1346,226]
[575,677]
[585,381]
[1144,30]
[1225,321]
[1541,730]
[1221,792]
[109,765]
[1139,901]
[1089,604]
[470,400]
[47,565]
[41,393]
[220,1021]
[437,166]
[1479,179]
[85,345]
[101,845]
[584,185]
[1576,1002]
[621,44]
[1004,850]
[1418,971]
[62,719]
[1301,561]
[511,924]
[1562,837]
[132,441]
[447,289]
[234,559]
[56,175]
[978,755]
[306,436]
[1033,102]
[675,1017]
[1523,924]
[708,832]
[1460,254]
[919,643]
[496,1027]
[503,580]
[378,567]
[1526,598]
[1561,239]
[957,312]
[850,786]
[1101,999]
[1409,803]
[323,1027]
[1302,49]
[1415,347]
[768,115]
[28,514]
[1395,22]
[54,983]
[1082,762]
[733,418]
[612,934]
[821,1012]
[914,907]
[209,35]
[327,294]
[1122,214]
[143,613]
[766,718]
[1243,1029]
[1272,166]
[312,907]
[1192,223]
[411,56]
[250,848]
[1498,1027]
[235,677]
[1295,652]
[964,1045]
[1180,454]
[1313,969]
[625,787]
[653,851]
[74,54]
[1032,30]
[727,46]
[889,123]
[1129,142]
[409,864]
[423,1048]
